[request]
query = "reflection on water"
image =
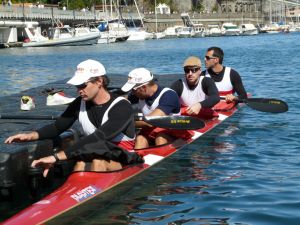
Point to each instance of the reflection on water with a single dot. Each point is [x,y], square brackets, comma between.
[176,198]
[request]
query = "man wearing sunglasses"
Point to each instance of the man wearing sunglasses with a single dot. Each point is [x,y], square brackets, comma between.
[228,81]
[153,100]
[198,94]
[107,131]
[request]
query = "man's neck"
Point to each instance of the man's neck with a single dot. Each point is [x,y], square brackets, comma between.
[153,90]
[102,97]
[218,68]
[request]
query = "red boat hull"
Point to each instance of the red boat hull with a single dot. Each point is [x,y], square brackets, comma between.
[82,186]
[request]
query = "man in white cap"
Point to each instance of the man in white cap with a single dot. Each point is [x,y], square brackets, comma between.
[107,131]
[153,100]
[198,94]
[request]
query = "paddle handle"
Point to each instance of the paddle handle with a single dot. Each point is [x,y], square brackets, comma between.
[236,100]
[139,117]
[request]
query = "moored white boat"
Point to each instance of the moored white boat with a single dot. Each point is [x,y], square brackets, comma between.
[213,31]
[113,31]
[230,29]
[185,32]
[159,35]
[171,32]
[248,29]
[106,38]
[199,30]
[139,34]
[64,36]
[271,28]
[294,27]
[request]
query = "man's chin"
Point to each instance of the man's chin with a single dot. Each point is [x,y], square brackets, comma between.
[84,98]
[191,82]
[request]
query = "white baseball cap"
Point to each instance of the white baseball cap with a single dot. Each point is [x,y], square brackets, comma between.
[137,77]
[86,70]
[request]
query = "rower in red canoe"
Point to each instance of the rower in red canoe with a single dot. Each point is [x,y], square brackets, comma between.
[154,100]
[198,94]
[228,81]
[107,131]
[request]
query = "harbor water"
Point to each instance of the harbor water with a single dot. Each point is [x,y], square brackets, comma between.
[246,171]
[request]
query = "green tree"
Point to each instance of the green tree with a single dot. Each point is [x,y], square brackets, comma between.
[77,4]
[197,6]
[215,8]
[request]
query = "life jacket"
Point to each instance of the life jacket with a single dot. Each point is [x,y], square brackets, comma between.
[224,87]
[190,97]
[146,109]
[152,132]
[88,127]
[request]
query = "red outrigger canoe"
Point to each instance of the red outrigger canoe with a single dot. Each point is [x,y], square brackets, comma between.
[83,186]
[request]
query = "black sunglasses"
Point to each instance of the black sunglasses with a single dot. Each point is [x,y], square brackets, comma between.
[193,70]
[209,57]
[83,85]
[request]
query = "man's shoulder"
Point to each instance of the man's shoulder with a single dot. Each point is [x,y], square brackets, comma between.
[177,84]
[76,103]
[232,71]
[168,90]
[178,81]
[206,79]
[121,104]
[169,94]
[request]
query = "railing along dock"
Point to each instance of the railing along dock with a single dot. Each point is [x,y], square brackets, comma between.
[21,12]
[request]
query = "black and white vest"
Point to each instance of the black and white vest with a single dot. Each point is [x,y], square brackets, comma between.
[146,109]
[224,86]
[89,128]
[189,97]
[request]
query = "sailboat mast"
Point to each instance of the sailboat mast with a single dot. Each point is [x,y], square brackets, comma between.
[297,12]
[137,8]
[155,16]
[111,9]
[284,13]
[270,10]
[104,7]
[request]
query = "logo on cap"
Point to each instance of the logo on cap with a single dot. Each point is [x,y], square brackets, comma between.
[83,70]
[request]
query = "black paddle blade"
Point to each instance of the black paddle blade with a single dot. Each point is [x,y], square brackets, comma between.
[25,117]
[267,105]
[176,122]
